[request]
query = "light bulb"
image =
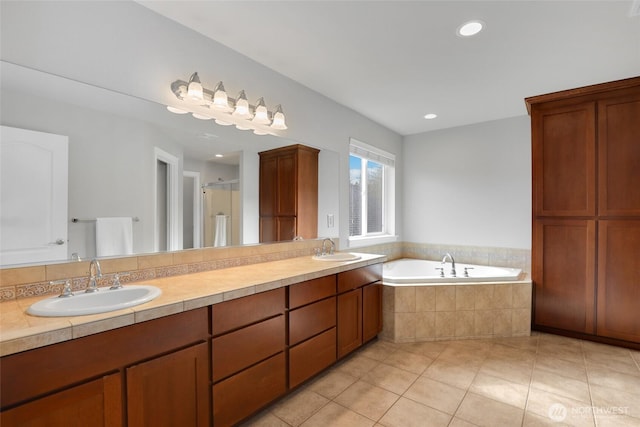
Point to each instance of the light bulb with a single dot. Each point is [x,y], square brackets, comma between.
[242,106]
[220,99]
[262,115]
[278,119]
[194,90]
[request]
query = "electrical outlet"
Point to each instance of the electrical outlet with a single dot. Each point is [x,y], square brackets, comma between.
[329,220]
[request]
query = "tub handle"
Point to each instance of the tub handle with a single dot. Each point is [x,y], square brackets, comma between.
[441,271]
[466,273]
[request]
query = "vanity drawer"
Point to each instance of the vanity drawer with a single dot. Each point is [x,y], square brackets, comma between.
[229,315]
[312,356]
[243,394]
[311,290]
[237,350]
[353,279]
[312,319]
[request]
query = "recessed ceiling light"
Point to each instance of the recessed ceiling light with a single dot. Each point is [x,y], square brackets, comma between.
[430,116]
[470,28]
[219,155]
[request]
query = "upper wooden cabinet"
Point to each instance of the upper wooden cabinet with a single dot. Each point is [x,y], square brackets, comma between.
[288,193]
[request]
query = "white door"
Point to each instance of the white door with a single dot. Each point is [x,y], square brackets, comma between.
[33,196]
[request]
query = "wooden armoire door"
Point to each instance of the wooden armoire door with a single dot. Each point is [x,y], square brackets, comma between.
[564,268]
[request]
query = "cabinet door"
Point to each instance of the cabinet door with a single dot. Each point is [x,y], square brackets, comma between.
[371,311]
[563,140]
[619,155]
[268,185]
[563,274]
[312,356]
[286,228]
[96,403]
[619,279]
[349,321]
[286,185]
[171,390]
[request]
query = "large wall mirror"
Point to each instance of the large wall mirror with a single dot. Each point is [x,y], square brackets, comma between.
[131,158]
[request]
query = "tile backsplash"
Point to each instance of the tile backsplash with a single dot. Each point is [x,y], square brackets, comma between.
[29,281]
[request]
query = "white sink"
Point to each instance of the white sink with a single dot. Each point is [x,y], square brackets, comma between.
[338,256]
[97,302]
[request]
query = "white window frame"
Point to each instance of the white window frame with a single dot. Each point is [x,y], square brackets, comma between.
[368,152]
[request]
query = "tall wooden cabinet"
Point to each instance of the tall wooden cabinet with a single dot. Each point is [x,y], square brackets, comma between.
[288,193]
[586,210]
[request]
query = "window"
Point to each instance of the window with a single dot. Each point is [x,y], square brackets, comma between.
[371,192]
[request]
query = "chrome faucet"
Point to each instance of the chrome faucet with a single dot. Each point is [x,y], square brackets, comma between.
[331,249]
[453,263]
[94,272]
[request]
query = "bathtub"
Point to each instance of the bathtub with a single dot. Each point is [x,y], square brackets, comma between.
[418,305]
[414,271]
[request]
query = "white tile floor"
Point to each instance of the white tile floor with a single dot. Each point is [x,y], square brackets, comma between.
[541,380]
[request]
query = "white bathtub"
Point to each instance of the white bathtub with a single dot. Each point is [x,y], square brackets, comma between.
[415,271]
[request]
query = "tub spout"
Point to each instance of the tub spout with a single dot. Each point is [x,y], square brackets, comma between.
[453,263]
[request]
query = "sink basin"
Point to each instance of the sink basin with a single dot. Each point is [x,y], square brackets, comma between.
[338,256]
[97,302]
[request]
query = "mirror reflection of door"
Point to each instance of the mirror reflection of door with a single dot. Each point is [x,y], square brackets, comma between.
[167,222]
[33,196]
[221,213]
[192,210]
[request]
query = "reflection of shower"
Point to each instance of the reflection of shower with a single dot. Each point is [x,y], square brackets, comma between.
[220,213]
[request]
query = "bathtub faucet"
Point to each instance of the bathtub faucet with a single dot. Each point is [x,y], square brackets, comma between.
[453,263]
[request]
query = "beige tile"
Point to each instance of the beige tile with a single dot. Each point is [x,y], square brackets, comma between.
[626,402]
[483,322]
[560,385]
[425,325]
[459,422]
[502,296]
[502,322]
[405,327]
[299,406]
[405,299]
[457,375]
[521,296]
[484,297]
[415,363]
[483,411]
[22,275]
[425,298]
[407,413]
[430,349]
[526,343]
[445,298]
[510,370]
[520,321]
[378,350]
[356,365]
[388,298]
[505,352]
[465,323]
[338,416]
[566,368]
[445,324]
[558,408]
[500,389]
[612,379]
[390,378]
[621,362]
[331,383]
[616,420]
[367,399]
[465,298]
[435,394]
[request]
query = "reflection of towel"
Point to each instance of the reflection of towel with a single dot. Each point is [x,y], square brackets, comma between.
[221,231]
[114,236]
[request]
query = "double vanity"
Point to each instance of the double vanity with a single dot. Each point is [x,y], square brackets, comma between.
[212,349]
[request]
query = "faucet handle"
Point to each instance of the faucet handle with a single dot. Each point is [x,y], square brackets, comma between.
[66,290]
[116,280]
[441,271]
[466,272]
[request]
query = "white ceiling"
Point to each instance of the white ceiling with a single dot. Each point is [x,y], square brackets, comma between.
[394,61]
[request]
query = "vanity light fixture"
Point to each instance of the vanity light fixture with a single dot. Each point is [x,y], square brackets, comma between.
[470,28]
[215,104]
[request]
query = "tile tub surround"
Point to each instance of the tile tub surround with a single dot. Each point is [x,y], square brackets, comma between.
[445,312]
[20,331]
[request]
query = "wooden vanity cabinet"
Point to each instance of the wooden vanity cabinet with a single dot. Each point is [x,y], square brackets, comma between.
[163,362]
[312,328]
[248,355]
[586,211]
[288,193]
[359,308]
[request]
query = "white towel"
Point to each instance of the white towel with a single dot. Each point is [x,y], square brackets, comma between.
[221,231]
[114,236]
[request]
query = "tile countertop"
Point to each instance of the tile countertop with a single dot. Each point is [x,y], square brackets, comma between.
[20,331]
